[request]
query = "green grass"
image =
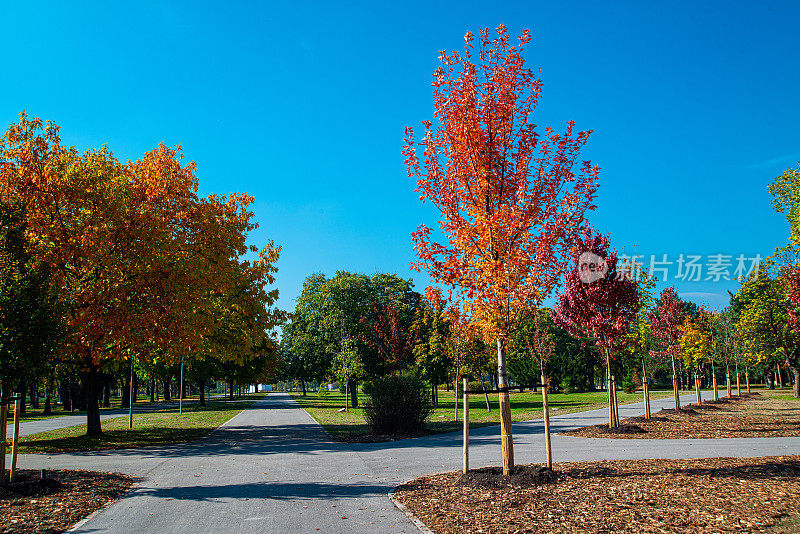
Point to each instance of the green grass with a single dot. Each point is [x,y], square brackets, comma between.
[156,428]
[351,425]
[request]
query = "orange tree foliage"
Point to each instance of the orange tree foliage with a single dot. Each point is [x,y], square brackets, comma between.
[136,253]
[511,197]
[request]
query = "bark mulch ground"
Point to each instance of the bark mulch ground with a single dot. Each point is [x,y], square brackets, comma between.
[57,501]
[621,496]
[752,415]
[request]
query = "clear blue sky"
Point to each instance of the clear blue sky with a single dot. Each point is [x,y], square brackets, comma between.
[694,106]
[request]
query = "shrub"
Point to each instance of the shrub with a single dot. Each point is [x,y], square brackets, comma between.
[396,405]
[628,387]
[569,385]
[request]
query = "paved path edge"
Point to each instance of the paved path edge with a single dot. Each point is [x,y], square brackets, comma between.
[409,514]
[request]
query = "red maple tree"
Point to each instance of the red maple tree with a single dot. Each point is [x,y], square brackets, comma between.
[511,197]
[602,309]
[666,323]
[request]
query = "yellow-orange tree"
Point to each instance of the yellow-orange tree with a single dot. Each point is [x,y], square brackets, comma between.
[695,344]
[510,196]
[133,249]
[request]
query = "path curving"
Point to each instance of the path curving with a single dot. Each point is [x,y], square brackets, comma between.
[272,468]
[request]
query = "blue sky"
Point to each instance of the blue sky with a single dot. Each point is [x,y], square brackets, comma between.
[693,105]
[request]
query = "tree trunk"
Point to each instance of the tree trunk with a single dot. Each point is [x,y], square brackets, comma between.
[506,438]
[34,392]
[152,388]
[353,385]
[125,401]
[202,388]
[303,385]
[166,383]
[107,393]
[135,387]
[48,395]
[793,364]
[66,398]
[779,375]
[796,388]
[91,386]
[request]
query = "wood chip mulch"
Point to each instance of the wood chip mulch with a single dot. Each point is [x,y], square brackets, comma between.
[748,416]
[621,496]
[57,501]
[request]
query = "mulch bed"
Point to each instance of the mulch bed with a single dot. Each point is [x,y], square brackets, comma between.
[748,416]
[57,501]
[621,496]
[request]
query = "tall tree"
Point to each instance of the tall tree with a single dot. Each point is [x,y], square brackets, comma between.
[665,323]
[510,196]
[601,308]
[334,312]
[767,323]
[132,248]
[432,332]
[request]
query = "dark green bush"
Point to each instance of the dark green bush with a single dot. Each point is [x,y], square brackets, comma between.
[396,405]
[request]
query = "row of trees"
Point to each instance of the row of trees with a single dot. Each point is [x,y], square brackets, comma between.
[513,202]
[107,263]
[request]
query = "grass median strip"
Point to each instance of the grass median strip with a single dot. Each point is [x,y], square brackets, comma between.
[351,425]
[155,428]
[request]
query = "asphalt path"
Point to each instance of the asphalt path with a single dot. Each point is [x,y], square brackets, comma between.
[272,468]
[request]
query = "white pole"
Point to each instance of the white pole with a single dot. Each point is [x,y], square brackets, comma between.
[180,401]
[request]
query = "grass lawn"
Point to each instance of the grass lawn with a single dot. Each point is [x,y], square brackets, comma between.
[156,428]
[351,426]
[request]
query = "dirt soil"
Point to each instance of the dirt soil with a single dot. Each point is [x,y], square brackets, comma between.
[621,496]
[755,415]
[57,501]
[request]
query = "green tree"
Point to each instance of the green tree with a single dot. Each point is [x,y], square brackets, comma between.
[764,323]
[333,312]
[30,316]
[785,191]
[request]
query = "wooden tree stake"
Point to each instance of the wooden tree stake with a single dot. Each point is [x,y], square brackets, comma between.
[546,407]
[697,388]
[3,423]
[505,433]
[675,391]
[614,400]
[729,385]
[747,379]
[738,385]
[716,389]
[15,439]
[466,427]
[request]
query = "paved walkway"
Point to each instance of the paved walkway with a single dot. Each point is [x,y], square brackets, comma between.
[273,469]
